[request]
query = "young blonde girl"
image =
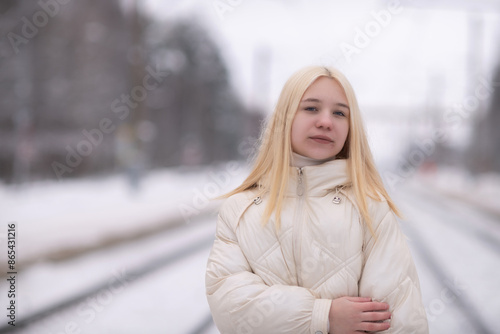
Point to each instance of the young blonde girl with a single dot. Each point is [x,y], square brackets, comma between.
[309,243]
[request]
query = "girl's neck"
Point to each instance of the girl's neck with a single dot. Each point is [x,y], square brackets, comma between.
[300,161]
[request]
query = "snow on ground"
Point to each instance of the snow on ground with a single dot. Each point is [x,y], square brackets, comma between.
[482,190]
[180,302]
[54,217]
[442,317]
[169,300]
[103,266]
[454,235]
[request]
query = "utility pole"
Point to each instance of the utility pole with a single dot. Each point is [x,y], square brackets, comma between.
[130,150]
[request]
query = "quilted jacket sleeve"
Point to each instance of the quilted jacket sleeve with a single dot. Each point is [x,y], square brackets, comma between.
[390,276]
[241,302]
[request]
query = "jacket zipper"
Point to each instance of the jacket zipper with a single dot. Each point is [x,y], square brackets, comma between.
[297,225]
[300,184]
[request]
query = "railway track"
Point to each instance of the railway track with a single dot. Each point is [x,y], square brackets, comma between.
[150,263]
[453,220]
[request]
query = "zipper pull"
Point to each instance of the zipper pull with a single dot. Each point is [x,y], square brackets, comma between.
[300,184]
[336,198]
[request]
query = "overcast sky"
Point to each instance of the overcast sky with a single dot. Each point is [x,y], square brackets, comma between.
[407,49]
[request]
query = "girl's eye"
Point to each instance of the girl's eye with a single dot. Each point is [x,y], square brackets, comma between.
[310,108]
[339,113]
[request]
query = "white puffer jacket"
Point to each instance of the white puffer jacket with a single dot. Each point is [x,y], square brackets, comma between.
[266,282]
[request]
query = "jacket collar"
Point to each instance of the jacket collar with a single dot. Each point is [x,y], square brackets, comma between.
[318,180]
[302,161]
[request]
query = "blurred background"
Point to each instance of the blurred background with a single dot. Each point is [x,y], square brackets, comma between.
[120,120]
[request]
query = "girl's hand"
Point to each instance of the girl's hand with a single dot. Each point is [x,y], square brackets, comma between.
[354,314]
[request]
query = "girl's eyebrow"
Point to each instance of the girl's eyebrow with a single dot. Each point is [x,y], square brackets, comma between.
[312,99]
[343,105]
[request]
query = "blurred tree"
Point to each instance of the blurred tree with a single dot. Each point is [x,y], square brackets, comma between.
[199,117]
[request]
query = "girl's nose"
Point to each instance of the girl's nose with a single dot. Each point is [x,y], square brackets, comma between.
[324,121]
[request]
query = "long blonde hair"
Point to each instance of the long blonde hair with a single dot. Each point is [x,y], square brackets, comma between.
[274,155]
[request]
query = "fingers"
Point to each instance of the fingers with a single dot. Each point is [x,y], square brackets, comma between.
[367,304]
[374,306]
[375,316]
[359,299]
[374,326]
[373,321]
[348,314]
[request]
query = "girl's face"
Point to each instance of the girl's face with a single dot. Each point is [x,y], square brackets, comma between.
[321,124]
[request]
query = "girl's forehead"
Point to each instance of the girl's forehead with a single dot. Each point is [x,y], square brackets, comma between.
[324,89]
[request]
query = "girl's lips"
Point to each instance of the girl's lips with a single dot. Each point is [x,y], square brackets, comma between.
[322,139]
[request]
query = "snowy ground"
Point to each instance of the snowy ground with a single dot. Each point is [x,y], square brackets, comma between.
[482,190]
[457,251]
[169,300]
[55,218]
[455,244]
